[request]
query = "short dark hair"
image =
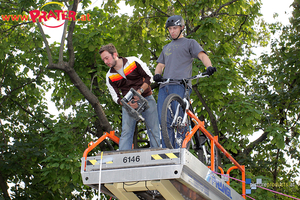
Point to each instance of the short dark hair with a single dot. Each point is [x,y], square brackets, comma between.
[110,48]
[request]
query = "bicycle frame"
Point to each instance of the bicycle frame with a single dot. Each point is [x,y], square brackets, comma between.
[186,98]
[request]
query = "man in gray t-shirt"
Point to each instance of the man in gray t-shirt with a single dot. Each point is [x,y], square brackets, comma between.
[175,61]
[178,58]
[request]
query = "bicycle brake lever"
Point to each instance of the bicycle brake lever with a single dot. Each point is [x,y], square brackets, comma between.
[165,81]
[204,74]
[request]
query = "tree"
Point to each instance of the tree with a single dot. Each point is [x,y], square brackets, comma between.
[232,108]
[30,162]
[276,89]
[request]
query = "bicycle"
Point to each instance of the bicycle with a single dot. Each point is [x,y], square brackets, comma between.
[175,120]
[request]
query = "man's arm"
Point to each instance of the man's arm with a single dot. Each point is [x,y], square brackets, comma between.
[158,72]
[159,68]
[114,92]
[207,63]
[143,87]
[205,59]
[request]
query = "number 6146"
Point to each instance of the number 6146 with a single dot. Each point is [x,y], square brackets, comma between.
[131,159]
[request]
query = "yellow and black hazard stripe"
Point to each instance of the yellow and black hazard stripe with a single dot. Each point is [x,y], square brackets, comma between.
[164,156]
[97,162]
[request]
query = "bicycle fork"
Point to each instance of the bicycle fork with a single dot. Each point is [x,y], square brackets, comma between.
[181,123]
[187,107]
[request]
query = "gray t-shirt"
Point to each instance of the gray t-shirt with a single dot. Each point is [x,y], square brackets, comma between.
[178,56]
[121,72]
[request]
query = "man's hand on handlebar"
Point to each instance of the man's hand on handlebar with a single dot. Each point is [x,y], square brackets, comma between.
[210,70]
[158,78]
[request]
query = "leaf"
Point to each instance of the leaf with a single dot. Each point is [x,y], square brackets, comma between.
[91,47]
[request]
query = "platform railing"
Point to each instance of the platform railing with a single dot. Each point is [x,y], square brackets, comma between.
[199,125]
[92,144]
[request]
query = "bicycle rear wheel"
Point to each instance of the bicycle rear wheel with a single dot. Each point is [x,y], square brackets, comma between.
[173,131]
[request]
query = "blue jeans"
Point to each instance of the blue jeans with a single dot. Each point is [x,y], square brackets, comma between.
[162,95]
[152,124]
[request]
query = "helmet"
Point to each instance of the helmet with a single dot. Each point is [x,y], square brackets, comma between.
[175,20]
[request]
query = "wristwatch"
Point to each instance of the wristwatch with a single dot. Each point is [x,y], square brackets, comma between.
[141,89]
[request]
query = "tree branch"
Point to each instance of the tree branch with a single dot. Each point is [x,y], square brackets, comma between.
[160,11]
[240,28]
[2,78]
[70,37]
[62,43]
[214,14]
[21,86]
[211,116]
[31,114]
[13,27]
[46,44]
[68,67]
[4,187]
[93,100]
[251,146]
[183,8]
[275,172]
[222,6]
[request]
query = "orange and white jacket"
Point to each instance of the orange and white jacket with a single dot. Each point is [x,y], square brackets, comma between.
[136,73]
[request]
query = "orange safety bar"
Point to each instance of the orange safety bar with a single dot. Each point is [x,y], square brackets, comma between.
[220,168]
[228,172]
[214,142]
[92,145]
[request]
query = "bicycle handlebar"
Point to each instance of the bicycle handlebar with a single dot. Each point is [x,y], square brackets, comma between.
[201,75]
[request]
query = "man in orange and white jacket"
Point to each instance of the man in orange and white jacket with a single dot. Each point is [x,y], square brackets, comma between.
[126,73]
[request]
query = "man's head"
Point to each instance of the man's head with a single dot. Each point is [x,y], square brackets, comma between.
[109,55]
[175,26]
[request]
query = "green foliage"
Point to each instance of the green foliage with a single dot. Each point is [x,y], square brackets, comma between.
[61,165]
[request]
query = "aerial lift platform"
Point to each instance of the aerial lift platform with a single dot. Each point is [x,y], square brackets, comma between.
[162,174]
[169,174]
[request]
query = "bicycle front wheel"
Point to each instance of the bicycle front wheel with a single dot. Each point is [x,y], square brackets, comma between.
[172,128]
